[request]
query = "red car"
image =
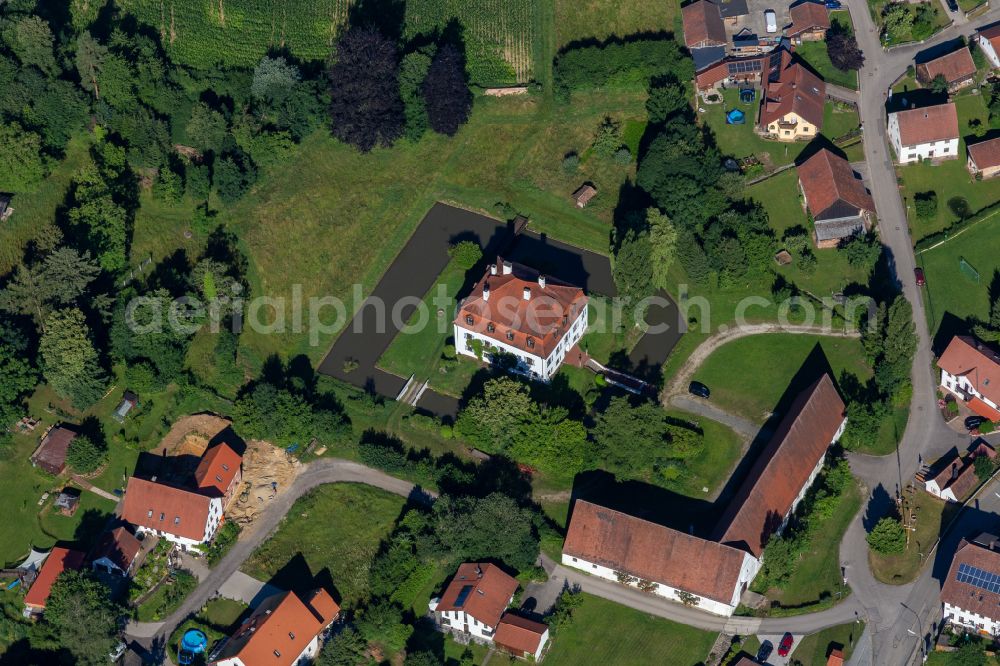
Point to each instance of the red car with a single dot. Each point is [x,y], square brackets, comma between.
[786,645]
[918,273]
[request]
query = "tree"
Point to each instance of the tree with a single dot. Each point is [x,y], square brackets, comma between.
[21,162]
[899,347]
[69,360]
[843,49]
[984,467]
[345,648]
[494,527]
[382,622]
[412,72]
[422,658]
[663,245]
[233,176]
[667,96]
[366,109]
[633,269]
[207,129]
[888,537]
[446,94]
[273,80]
[90,59]
[862,250]
[85,455]
[873,333]
[31,41]
[83,618]
[465,254]
[939,85]
[898,21]
[491,420]
[607,138]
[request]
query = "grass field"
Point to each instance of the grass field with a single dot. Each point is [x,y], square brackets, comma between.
[949,290]
[814,649]
[748,376]
[337,527]
[815,54]
[949,178]
[600,20]
[933,515]
[602,632]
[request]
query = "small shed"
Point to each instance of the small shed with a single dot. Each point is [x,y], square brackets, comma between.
[783,257]
[129,401]
[68,501]
[5,208]
[583,195]
[51,452]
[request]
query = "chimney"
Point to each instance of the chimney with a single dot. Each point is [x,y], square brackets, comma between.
[493,269]
[541,281]
[527,293]
[508,268]
[954,470]
[486,291]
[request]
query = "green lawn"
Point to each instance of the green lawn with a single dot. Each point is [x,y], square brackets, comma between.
[815,54]
[815,648]
[742,141]
[712,468]
[949,178]
[603,338]
[933,515]
[940,19]
[602,632]
[336,527]
[949,289]
[748,376]
[781,198]
[600,20]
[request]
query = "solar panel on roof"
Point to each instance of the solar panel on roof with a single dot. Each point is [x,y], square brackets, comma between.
[984,580]
[463,595]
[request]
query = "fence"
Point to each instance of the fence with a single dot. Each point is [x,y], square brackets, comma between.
[132,273]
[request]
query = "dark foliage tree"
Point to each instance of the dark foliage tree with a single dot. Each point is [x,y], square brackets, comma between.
[446,94]
[667,96]
[843,49]
[488,528]
[83,618]
[366,109]
[345,648]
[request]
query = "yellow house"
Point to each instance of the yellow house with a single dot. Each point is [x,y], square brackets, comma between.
[792,105]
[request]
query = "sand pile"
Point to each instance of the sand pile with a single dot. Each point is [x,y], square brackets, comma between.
[267,472]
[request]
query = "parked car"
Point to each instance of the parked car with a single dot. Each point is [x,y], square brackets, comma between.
[764,653]
[786,645]
[699,389]
[918,273]
[833,4]
[770,21]
[973,422]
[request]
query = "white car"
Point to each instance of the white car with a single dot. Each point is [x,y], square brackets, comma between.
[771,20]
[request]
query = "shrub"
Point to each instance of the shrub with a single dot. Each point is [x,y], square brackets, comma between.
[960,207]
[223,541]
[926,204]
[85,455]
[888,537]
[623,156]
[448,352]
[465,254]
[571,162]
[986,427]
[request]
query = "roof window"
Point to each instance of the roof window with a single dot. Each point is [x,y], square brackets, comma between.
[218,478]
[468,320]
[490,328]
[177,520]
[225,467]
[291,634]
[531,343]
[149,514]
[510,335]
[276,653]
[162,515]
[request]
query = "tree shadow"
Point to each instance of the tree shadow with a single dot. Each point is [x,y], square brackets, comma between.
[296,576]
[386,16]
[880,505]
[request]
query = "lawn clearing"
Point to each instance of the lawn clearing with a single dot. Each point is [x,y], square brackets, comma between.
[600,20]
[814,649]
[337,527]
[949,290]
[950,178]
[714,465]
[748,376]
[816,55]
[933,515]
[603,632]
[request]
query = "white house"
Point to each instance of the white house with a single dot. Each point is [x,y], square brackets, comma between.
[955,476]
[179,515]
[971,592]
[927,133]
[474,601]
[988,41]
[517,311]
[283,630]
[971,371]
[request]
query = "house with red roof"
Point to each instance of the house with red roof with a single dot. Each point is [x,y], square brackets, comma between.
[810,21]
[51,452]
[520,637]
[517,311]
[956,67]
[474,601]
[928,133]
[835,197]
[970,594]
[988,41]
[970,370]
[219,473]
[955,476]
[984,158]
[58,560]
[793,103]
[703,26]
[117,552]
[282,631]
[185,517]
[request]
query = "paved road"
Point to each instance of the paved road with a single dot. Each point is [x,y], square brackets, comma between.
[323,471]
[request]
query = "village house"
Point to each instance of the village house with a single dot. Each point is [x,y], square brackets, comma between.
[927,133]
[971,371]
[988,41]
[520,637]
[51,452]
[58,560]
[584,194]
[743,71]
[810,21]
[956,67]
[956,476]
[792,104]
[282,631]
[219,473]
[182,516]
[971,591]
[515,310]
[836,198]
[984,158]
[116,552]
[703,26]
[474,601]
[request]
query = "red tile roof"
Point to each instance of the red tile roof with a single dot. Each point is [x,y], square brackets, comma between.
[489,591]
[120,546]
[51,453]
[956,66]
[828,179]
[519,635]
[967,596]
[796,90]
[836,658]
[783,468]
[986,154]
[703,25]
[929,124]
[984,410]
[165,508]
[217,469]
[534,325]
[712,75]
[59,560]
[807,16]
[653,552]
[280,628]
[969,358]
[992,34]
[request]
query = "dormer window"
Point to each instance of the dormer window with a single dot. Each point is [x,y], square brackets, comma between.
[149,514]
[177,520]
[218,478]
[510,335]
[531,343]
[162,515]
[468,320]
[490,328]
[225,467]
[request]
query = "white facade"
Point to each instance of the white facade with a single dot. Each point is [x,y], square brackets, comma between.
[987,48]
[211,525]
[306,657]
[971,620]
[749,568]
[945,149]
[961,387]
[529,364]
[541,645]
[461,622]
